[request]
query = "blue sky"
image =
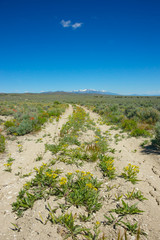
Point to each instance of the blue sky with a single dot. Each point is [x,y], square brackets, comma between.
[49,45]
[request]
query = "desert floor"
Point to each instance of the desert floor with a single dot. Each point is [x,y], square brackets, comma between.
[127,150]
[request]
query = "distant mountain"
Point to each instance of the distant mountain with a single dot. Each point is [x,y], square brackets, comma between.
[144,95]
[93,91]
[51,92]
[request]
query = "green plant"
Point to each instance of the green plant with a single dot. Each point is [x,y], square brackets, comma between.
[39,157]
[78,121]
[68,221]
[128,124]
[71,140]
[124,235]
[133,228]
[30,116]
[130,173]
[106,165]
[10,123]
[100,142]
[73,229]
[118,196]
[117,137]
[111,220]
[96,232]
[139,132]
[9,163]
[135,195]
[109,187]
[84,218]
[52,217]
[81,189]
[16,227]
[112,150]
[23,128]
[156,141]
[64,207]
[25,200]
[26,175]
[144,143]
[54,148]
[134,151]
[39,140]
[126,209]
[52,162]
[2,143]
[43,185]
[8,167]
[20,148]
[76,156]
[149,115]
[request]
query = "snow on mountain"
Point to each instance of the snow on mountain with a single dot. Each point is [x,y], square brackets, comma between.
[93,91]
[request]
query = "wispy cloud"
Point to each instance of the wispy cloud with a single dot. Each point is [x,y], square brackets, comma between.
[68,23]
[76,25]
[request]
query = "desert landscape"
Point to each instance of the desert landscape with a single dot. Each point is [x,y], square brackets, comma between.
[79,120]
[74,174]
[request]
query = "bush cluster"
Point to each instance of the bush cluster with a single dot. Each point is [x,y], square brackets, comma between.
[135,118]
[2,143]
[156,141]
[30,117]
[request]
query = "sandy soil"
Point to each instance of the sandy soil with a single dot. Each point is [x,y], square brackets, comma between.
[127,150]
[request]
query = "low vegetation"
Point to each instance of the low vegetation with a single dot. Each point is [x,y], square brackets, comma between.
[156,140]
[81,190]
[2,143]
[29,117]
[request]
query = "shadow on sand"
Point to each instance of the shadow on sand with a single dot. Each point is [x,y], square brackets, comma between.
[151,149]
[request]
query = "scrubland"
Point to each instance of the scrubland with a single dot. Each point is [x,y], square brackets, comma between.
[79,167]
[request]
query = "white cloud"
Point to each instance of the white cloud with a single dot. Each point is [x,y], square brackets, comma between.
[76,25]
[66,24]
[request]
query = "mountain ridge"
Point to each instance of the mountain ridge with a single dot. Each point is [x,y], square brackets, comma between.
[93,91]
[101,92]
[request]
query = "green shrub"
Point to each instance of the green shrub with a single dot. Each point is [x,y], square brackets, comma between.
[156,141]
[25,127]
[128,124]
[107,166]
[139,132]
[53,148]
[2,143]
[54,112]
[131,112]
[81,189]
[150,115]
[114,118]
[70,140]
[130,173]
[9,124]
[42,119]
[43,185]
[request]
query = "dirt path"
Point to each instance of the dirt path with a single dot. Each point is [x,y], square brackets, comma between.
[124,150]
[128,150]
[24,150]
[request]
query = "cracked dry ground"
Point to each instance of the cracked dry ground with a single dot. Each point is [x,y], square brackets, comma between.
[127,150]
